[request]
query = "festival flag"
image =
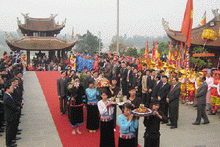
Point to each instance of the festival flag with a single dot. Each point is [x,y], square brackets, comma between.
[176,51]
[72,61]
[72,33]
[153,52]
[184,57]
[181,53]
[157,54]
[187,22]
[170,55]
[203,21]
[146,53]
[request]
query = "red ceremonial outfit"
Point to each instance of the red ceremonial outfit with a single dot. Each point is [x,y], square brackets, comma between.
[214,94]
[191,86]
[139,67]
[96,65]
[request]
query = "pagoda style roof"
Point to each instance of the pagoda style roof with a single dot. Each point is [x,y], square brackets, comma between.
[39,44]
[196,37]
[40,24]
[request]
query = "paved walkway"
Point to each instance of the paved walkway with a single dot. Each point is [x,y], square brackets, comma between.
[37,123]
[188,135]
[39,129]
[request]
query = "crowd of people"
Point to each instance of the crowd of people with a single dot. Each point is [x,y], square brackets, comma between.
[158,88]
[11,97]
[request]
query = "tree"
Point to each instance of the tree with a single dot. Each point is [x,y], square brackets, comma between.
[200,62]
[122,47]
[132,52]
[163,48]
[88,43]
[142,51]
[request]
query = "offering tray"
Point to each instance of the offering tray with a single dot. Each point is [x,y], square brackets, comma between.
[136,112]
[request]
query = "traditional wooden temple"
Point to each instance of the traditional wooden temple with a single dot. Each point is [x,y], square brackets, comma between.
[39,34]
[212,46]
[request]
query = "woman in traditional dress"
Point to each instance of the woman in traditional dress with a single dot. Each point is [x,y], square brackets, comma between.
[76,105]
[215,101]
[152,124]
[113,91]
[113,88]
[128,127]
[136,101]
[92,109]
[139,84]
[106,110]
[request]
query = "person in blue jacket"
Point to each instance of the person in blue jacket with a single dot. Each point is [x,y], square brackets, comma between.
[127,125]
[92,109]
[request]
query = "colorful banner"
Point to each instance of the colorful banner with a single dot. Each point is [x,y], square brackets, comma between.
[82,62]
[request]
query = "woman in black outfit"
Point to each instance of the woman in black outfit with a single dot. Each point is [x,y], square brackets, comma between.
[76,105]
[152,124]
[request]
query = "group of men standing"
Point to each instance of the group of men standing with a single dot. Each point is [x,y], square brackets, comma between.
[11,99]
[156,85]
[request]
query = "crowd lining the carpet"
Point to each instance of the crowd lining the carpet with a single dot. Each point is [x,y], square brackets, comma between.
[158,89]
[11,97]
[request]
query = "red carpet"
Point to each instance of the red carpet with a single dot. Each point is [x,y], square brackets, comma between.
[48,82]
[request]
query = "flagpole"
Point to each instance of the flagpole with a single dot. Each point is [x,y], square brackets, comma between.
[187,73]
[118,27]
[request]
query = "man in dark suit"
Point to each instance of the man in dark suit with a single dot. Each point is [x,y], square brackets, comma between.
[150,85]
[11,112]
[157,84]
[173,101]
[129,77]
[19,102]
[135,77]
[162,95]
[201,99]
[107,70]
[117,71]
[123,78]
[62,92]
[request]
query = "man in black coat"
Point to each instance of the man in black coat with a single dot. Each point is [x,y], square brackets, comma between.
[150,85]
[123,78]
[201,98]
[62,92]
[162,95]
[129,77]
[11,112]
[157,84]
[117,71]
[17,96]
[173,101]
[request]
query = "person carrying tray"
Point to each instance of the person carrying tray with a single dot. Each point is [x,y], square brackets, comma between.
[152,124]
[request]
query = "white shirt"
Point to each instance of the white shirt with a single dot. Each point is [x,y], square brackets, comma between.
[103,109]
[209,81]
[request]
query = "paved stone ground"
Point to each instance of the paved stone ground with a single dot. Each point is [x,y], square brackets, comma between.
[188,135]
[39,129]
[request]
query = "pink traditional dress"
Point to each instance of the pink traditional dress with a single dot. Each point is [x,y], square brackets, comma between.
[209,81]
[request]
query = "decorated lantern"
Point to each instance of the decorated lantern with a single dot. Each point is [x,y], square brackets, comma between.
[209,34]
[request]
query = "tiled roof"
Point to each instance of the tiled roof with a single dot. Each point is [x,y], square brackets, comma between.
[40,24]
[196,37]
[40,43]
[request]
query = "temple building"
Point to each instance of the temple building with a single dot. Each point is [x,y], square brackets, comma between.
[197,39]
[39,34]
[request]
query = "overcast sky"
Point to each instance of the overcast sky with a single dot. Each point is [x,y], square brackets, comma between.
[137,17]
